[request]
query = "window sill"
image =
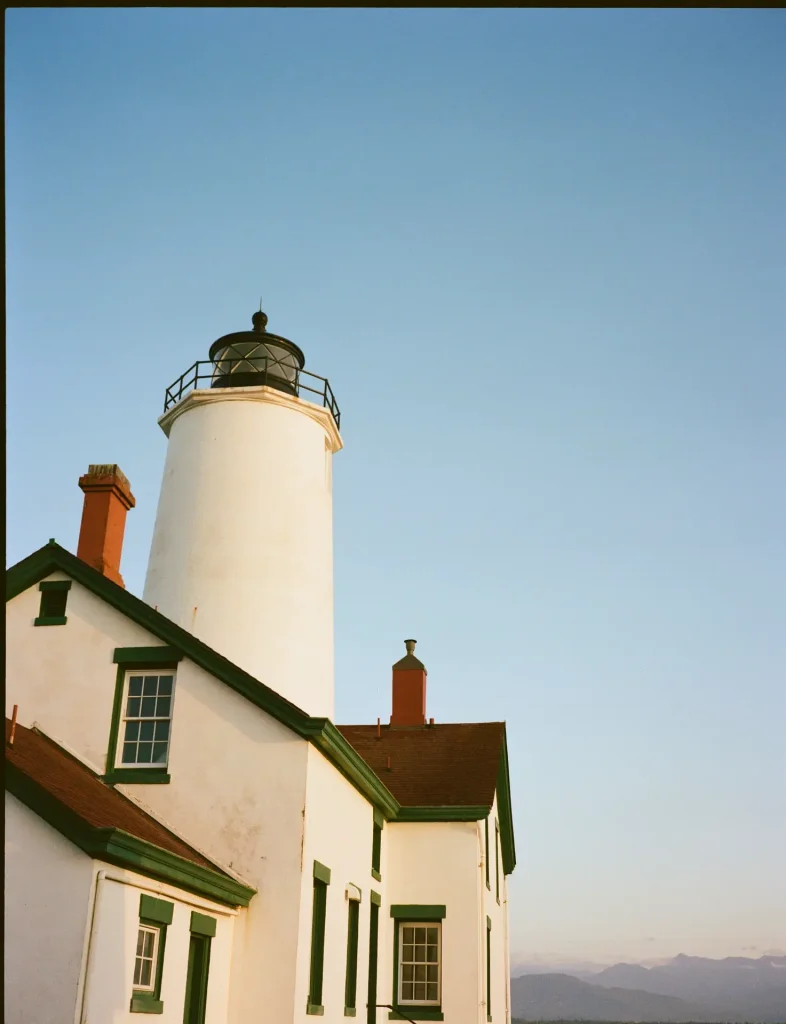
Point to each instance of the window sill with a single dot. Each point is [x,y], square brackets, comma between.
[349,1011]
[315,1009]
[146,1002]
[143,776]
[376,874]
[416,1013]
[50,620]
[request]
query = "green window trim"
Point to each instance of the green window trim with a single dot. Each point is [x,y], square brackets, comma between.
[54,597]
[114,773]
[486,852]
[201,924]
[351,982]
[156,910]
[155,913]
[488,968]
[428,914]
[197,977]
[147,657]
[419,911]
[318,920]
[376,851]
[496,853]
[373,957]
[321,872]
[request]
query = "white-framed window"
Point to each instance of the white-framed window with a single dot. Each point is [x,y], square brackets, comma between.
[146,960]
[419,963]
[147,718]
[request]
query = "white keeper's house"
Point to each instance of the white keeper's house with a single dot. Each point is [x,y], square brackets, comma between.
[188,833]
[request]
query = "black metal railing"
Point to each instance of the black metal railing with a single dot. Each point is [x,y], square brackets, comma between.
[255,372]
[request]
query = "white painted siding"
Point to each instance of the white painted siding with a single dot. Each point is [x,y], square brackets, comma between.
[47,892]
[112,947]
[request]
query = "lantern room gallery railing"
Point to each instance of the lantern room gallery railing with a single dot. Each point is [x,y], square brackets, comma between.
[265,371]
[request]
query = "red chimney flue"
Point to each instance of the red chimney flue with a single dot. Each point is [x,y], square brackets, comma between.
[108,498]
[409,689]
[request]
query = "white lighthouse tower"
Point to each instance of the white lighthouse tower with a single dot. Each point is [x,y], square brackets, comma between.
[242,552]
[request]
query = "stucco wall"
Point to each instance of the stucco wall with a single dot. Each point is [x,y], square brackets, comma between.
[112,946]
[47,892]
[438,863]
[238,777]
[338,833]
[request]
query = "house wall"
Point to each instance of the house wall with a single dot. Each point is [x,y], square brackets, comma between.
[498,912]
[47,893]
[438,863]
[238,777]
[109,973]
[339,826]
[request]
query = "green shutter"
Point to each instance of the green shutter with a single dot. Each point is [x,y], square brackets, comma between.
[319,913]
[376,852]
[373,941]
[488,968]
[351,985]
[488,867]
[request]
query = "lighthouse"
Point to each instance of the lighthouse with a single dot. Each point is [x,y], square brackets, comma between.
[242,550]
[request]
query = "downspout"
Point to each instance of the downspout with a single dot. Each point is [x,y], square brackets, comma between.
[80,1016]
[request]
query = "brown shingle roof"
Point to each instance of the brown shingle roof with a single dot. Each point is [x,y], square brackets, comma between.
[436,765]
[79,790]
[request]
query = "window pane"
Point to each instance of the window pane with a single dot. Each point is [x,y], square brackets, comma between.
[433,973]
[432,993]
[150,686]
[146,730]
[162,730]
[162,707]
[159,753]
[420,973]
[140,943]
[149,940]
[146,972]
[129,753]
[132,730]
[148,707]
[420,992]
[408,972]
[420,954]
[409,935]
[407,990]
[420,935]
[135,686]
[132,708]
[165,684]
[431,954]
[432,935]
[145,754]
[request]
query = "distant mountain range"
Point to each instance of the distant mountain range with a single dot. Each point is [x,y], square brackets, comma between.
[687,988]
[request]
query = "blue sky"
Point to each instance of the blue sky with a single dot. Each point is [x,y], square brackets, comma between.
[540,256]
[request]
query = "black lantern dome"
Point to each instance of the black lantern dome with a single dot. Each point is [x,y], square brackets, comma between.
[251,358]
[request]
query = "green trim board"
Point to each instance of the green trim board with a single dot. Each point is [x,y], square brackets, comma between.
[416,1013]
[119,847]
[34,569]
[197,975]
[486,854]
[419,911]
[351,980]
[496,853]
[447,813]
[156,910]
[147,657]
[50,620]
[375,898]
[373,958]
[202,924]
[321,872]
[379,818]
[488,968]
[55,585]
[137,776]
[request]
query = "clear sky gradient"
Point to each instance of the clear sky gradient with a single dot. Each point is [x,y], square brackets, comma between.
[540,255]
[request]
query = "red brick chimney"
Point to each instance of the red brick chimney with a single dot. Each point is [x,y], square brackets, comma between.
[409,689]
[108,498]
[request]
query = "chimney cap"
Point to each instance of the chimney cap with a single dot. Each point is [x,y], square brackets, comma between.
[409,661]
